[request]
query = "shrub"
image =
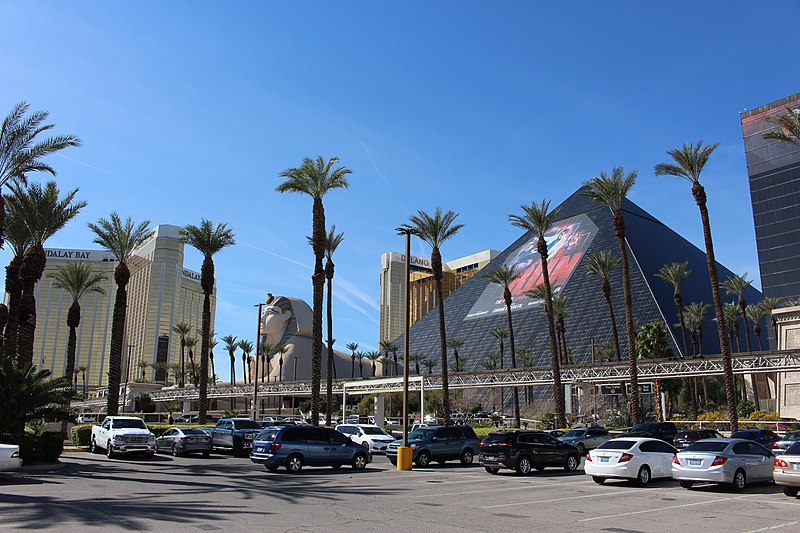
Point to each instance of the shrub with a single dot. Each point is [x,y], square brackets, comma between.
[762,415]
[81,434]
[744,408]
[45,447]
[710,416]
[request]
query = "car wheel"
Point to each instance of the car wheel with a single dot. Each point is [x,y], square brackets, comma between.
[360,461]
[271,468]
[294,463]
[523,466]
[790,491]
[175,451]
[581,449]
[423,458]
[466,457]
[687,484]
[238,448]
[572,463]
[739,480]
[599,479]
[93,447]
[109,452]
[491,469]
[643,477]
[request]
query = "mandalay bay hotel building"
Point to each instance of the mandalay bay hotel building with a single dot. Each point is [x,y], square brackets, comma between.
[161,294]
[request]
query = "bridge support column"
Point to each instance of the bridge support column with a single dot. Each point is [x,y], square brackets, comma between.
[378,411]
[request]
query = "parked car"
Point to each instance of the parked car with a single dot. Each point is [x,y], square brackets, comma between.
[85,418]
[122,435]
[635,458]
[665,431]
[685,438]
[783,444]
[188,419]
[272,419]
[370,436]
[735,462]
[277,423]
[523,450]
[555,433]
[764,437]
[236,434]
[180,441]
[440,444]
[585,439]
[294,447]
[9,457]
[786,470]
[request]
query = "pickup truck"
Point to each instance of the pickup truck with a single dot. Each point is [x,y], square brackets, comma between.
[235,433]
[123,434]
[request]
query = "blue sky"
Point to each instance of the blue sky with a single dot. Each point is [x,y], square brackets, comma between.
[192,109]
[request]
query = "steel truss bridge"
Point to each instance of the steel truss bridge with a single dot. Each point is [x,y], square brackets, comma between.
[743,363]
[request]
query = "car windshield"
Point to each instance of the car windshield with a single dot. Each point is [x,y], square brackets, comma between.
[129,424]
[246,424]
[575,433]
[373,431]
[617,445]
[707,446]
[192,431]
[421,434]
[750,435]
[643,427]
[794,449]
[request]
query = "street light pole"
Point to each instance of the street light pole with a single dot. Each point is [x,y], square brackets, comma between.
[405,463]
[258,354]
[127,377]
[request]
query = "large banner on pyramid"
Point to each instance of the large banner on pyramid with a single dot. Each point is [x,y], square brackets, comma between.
[567,243]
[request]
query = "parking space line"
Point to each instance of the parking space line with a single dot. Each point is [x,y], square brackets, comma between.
[770,528]
[516,486]
[779,502]
[561,499]
[631,513]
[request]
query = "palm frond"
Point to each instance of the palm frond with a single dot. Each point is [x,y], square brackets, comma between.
[610,189]
[119,238]
[688,161]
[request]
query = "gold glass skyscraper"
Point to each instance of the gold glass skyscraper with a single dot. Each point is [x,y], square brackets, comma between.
[161,293]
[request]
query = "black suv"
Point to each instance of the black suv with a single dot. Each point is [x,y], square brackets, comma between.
[665,431]
[524,450]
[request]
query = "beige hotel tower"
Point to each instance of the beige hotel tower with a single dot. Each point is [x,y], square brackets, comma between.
[161,293]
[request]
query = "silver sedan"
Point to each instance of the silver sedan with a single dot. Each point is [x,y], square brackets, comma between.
[734,462]
[787,440]
[787,470]
[180,441]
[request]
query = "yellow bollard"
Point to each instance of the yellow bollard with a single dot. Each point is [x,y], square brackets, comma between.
[404,455]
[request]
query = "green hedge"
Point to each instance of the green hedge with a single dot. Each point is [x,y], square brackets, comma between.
[45,447]
[82,434]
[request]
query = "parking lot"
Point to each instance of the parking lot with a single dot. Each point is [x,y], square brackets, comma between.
[227,493]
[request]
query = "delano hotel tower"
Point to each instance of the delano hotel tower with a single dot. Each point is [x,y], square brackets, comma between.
[161,293]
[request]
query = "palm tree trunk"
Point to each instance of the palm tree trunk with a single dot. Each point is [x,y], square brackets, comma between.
[213,371]
[245,377]
[33,263]
[619,227]
[318,283]
[3,322]
[693,395]
[14,289]
[183,363]
[657,392]
[507,295]
[353,366]
[436,265]
[730,387]
[558,389]
[743,310]
[73,321]
[679,304]
[121,276]
[606,287]
[757,331]
[329,271]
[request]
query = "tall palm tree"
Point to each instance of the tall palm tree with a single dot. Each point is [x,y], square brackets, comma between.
[283,350]
[191,342]
[768,305]
[430,364]
[561,310]
[77,279]
[265,348]
[675,274]
[601,264]
[504,276]
[735,286]
[611,190]
[247,347]
[182,329]
[360,356]
[19,238]
[500,334]
[688,163]
[121,239]
[695,314]
[332,242]
[231,345]
[22,150]
[352,346]
[455,344]
[436,230]
[416,358]
[316,178]
[756,313]
[208,240]
[373,356]
[82,369]
[386,346]
[43,214]
[788,127]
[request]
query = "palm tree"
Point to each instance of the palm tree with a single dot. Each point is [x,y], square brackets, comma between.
[281,352]
[208,240]
[22,153]
[27,394]
[82,369]
[651,343]
[352,346]
[455,344]
[788,129]
[230,346]
[457,365]
[211,345]
[19,238]
[121,239]
[611,191]
[143,366]
[162,367]
[77,279]
[601,264]
[316,178]
[178,372]
[430,364]
[675,274]
[504,276]
[768,305]
[756,313]
[500,334]
[436,230]
[560,310]
[191,342]
[730,311]
[416,358]
[182,329]
[265,348]
[360,356]
[386,346]
[735,286]
[695,315]
[373,357]
[43,214]
[246,347]
[332,242]
[688,164]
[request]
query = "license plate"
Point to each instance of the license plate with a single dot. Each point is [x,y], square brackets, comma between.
[260,448]
[604,459]
[490,457]
[695,462]
[796,466]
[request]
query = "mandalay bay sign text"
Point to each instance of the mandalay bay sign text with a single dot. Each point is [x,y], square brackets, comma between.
[567,243]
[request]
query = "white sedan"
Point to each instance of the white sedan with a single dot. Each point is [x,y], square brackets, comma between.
[9,457]
[640,459]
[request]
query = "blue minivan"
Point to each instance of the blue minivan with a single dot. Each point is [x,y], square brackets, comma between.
[297,446]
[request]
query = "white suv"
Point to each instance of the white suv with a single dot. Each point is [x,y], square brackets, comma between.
[370,436]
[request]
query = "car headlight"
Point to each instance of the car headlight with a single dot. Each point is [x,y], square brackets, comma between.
[119,439]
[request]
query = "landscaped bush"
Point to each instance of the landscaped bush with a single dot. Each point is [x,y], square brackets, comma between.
[710,416]
[45,447]
[81,434]
[762,415]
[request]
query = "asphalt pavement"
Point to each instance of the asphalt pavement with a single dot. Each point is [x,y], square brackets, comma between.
[223,493]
